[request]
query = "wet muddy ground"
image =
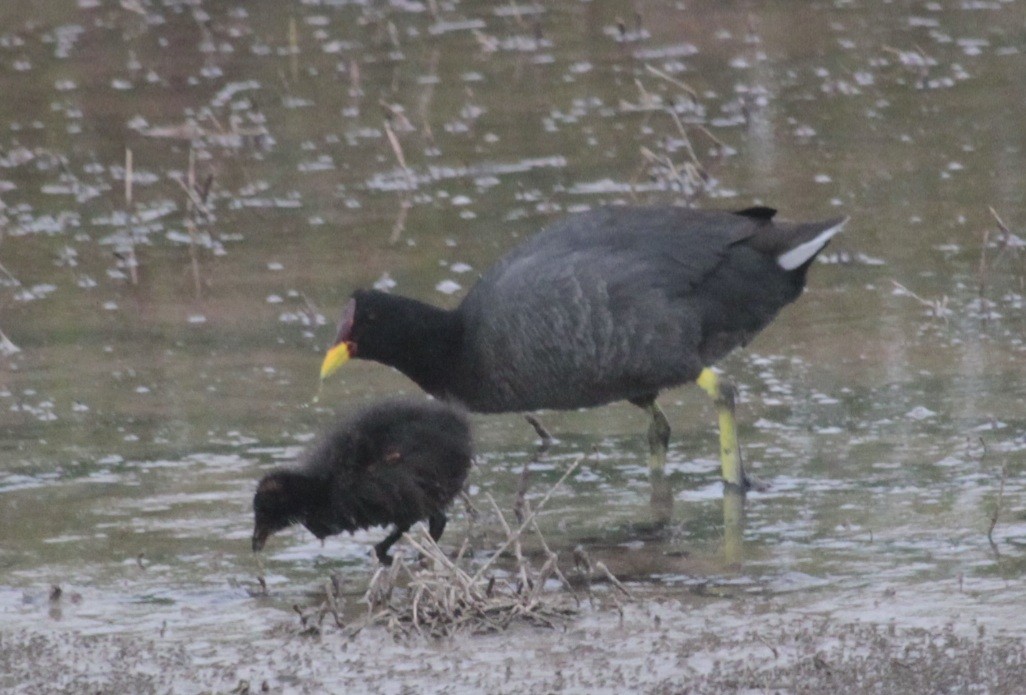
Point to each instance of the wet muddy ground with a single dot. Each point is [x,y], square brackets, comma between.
[653,645]
[190,190]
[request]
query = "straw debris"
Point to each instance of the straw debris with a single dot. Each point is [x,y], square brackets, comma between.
[439,596]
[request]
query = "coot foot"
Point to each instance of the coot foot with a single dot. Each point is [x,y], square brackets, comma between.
[721,390]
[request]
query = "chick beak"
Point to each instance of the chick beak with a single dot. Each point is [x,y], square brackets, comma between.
[338,355]
[260,535]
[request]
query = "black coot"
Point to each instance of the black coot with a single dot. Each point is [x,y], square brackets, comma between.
[396,462]
[616,303]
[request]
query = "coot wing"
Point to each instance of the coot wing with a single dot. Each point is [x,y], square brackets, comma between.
[595,308]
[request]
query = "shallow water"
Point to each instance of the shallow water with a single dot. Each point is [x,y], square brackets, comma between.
[157,356]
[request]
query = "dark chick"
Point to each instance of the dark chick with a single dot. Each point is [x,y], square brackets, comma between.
[617,303]
[396,462]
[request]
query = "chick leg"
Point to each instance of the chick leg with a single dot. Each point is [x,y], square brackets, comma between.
[381,549]
[436,525]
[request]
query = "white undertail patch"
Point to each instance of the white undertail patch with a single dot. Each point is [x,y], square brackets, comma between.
[789,260]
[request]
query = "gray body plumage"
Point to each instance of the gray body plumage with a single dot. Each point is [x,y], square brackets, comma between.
[613,304]
[619,303]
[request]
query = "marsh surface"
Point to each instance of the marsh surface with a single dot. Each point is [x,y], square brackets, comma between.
[159,351]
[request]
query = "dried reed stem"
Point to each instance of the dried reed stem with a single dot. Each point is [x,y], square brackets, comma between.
[444,598]
[133,265]
[673,80]
[997,509]
[190,224]
[530,517]
[397,149]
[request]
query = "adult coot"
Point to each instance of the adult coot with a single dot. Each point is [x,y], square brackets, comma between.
[396,462]
[616,303]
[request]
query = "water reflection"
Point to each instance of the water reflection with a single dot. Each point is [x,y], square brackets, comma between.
[733,526]
[661,498]
[661,502]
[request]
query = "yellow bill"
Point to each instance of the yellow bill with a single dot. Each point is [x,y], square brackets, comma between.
[335,358]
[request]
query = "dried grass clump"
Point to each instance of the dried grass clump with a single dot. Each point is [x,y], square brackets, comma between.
[440,596]
[444,598]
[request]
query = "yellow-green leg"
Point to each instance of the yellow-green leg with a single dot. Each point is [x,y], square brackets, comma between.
[722,393]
